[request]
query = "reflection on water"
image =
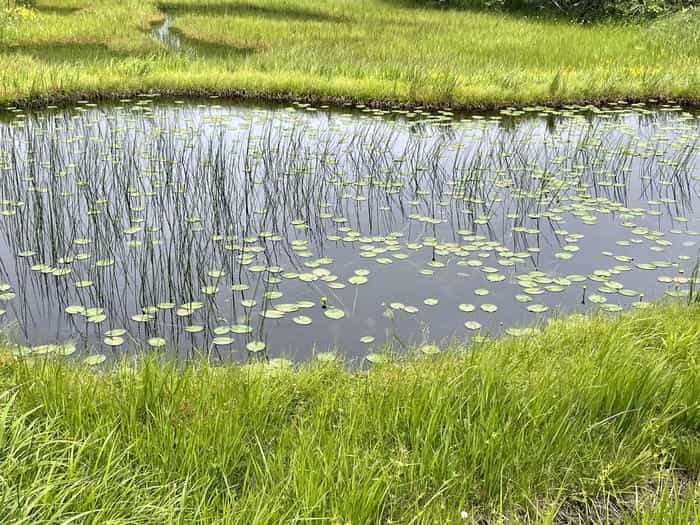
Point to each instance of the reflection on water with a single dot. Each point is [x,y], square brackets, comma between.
[277,231]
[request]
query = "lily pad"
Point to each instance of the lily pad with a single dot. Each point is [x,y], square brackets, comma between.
[429,349]
[334,313]
[537,308]
[157,342]
[377,359]
[255,346]
[95,359]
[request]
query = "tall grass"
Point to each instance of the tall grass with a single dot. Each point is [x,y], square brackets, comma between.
[590,419]
[349,49]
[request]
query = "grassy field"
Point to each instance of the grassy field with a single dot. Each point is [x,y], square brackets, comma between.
[362,50]
[591,419]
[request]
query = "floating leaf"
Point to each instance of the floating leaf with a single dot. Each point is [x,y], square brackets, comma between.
[358,279]
[377,359]
[95,359]
[334,313]
[302,320]
[156,342]
[222,341]
[240,328]
[428,349]
[66,349]
[44,349]
[537,308]
[166,306]
[75,309]
[255,346]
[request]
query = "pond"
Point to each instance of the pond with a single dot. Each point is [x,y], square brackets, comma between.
[243,232]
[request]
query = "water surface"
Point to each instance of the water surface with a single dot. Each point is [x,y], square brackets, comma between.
[174,222]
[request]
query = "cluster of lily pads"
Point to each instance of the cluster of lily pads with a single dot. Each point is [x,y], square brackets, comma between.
[278,230]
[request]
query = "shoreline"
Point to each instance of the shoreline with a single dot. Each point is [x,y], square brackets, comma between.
[233,96]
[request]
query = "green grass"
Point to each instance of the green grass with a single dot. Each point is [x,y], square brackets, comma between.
[593,418]
[363,50]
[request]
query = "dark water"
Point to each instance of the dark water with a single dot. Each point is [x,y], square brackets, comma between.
[124,209]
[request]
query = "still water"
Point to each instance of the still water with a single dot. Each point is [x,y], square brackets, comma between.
[245,231]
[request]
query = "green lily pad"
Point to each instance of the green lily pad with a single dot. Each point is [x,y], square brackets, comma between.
[240,328]
[66,349]
[358,280]
[326,357]
[377,359]
[75,309]
[157,342]
[334,313]
[537,308]
[255,346]
[95,359]
[428,349]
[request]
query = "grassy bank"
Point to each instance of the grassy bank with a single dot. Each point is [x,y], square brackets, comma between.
[387,50]
[592,419]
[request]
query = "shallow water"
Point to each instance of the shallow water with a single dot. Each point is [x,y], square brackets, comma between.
[121,208]
[161,32]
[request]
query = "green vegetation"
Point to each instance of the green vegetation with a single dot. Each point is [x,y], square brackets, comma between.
[584,10]
[591,418]
[380,50]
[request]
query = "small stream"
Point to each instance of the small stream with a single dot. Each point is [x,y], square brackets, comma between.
[163,34]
